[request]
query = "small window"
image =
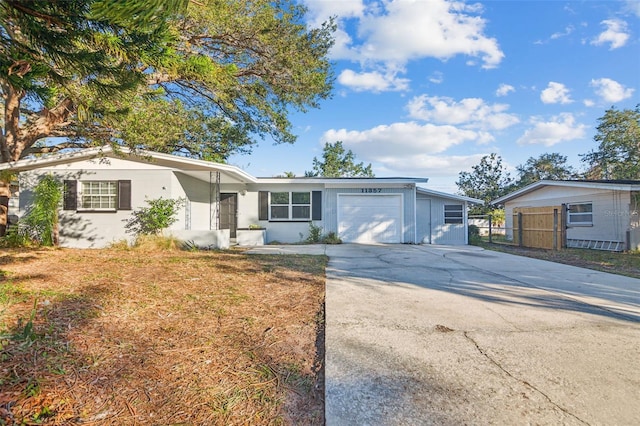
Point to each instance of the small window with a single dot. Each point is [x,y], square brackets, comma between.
[453,213]
[580,214]
[290,206]
[99,195]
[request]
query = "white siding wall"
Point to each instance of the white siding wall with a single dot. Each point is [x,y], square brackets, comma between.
[284,232]
[99,229]
[634,222]
[442,233]
[610,210]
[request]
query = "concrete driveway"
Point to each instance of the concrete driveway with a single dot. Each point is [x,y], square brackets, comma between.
[458,335]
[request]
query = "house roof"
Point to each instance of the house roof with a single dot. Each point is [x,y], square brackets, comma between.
[349,180]
[449,196]
[185,164]
[616,185]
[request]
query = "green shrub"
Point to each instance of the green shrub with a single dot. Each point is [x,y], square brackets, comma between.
[331,238]
[315,234]
[151,220]
[39,225]
[474,235]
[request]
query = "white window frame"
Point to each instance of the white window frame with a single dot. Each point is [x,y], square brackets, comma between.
[290,207]
[571,215]
[458,207]
[94,196]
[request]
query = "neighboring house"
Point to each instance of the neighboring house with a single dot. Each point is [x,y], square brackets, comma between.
[597,214]
[222,202]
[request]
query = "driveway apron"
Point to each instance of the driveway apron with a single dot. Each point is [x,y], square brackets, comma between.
[457,335]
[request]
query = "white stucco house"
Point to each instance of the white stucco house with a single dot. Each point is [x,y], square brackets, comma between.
[597,214]
[222,202]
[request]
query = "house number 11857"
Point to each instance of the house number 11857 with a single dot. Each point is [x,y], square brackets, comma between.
[370,190]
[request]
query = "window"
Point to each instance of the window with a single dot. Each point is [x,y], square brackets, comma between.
[580,214]
[453,213]
[290,206]
[99,195]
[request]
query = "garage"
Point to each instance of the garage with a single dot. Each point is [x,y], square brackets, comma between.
[370,218]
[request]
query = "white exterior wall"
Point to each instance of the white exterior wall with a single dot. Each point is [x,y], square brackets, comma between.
[99,229]
[610,210]
[634,221]
[440,232]
[280,231]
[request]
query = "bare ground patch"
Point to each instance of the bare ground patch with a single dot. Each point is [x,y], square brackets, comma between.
[106,337]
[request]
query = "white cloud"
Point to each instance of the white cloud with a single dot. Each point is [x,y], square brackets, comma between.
[429,165]
[401,140]
[436,77]
[560,128]
[589,103]
[504,90]
[405,30]
[567,31]
[633,7]
[610,90]
[322,10]
[372,81]
[556,93]
[616,34]
[395,31]
[471,113]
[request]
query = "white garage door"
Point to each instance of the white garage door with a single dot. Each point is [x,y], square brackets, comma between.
[370,218]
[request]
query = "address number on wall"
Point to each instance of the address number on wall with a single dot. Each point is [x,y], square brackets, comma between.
[370,190]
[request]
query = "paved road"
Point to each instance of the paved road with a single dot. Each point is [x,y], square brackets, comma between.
[457,335]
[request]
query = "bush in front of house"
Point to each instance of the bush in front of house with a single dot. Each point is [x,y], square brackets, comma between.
[474,235]
[151,220]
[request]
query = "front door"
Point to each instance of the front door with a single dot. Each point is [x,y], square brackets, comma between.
[229,212]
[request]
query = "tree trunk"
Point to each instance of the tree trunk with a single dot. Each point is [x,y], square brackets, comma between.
[5,194]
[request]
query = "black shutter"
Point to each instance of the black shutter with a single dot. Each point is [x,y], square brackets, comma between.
[263,208]
[70,200]
[316,205]
[124,195]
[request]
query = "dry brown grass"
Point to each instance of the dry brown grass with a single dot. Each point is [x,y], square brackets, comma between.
[126,337]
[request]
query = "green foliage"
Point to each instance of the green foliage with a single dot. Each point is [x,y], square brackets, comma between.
[618,152]
[488,180]
[199,78]
[315,236]
[39,224]
[315,233]
[497,217]
[474,235]
[545,167]
[338,162]
[151,220]
[331,238]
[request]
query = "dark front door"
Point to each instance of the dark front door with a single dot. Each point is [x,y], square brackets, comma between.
[229,212]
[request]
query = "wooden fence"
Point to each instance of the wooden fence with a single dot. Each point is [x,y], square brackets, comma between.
[540,227]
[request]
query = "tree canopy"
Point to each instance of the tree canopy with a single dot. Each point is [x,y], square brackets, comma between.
[487,181]
[86,70]
[618,152]
[546,167]
[338,162]
[203,78]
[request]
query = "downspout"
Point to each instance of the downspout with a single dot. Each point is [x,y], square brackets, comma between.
[466,223]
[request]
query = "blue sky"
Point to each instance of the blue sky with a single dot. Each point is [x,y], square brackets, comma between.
[425,88]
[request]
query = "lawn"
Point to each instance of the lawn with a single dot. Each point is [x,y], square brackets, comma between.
[622,263]
[124,337]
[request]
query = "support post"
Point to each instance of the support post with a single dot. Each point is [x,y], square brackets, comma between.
[520,233]
[490,229]
[555,229]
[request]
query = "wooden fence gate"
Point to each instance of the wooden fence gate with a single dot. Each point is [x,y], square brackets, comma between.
[539,227]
